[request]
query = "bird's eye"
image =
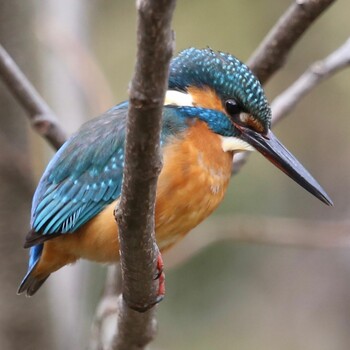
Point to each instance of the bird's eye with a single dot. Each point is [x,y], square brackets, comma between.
[232,108]
[240,117]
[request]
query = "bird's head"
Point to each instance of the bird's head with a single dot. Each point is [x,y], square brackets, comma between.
[222,91]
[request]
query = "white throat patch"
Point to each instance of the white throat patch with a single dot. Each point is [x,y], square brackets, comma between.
[231,143]
[177,98]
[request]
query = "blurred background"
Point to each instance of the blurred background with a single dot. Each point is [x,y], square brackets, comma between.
[233,293]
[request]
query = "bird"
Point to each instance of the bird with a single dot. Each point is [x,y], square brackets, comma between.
[214,108]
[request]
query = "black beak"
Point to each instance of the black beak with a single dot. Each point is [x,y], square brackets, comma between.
[271,148]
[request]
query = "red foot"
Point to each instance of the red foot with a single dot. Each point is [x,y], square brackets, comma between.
[161,277]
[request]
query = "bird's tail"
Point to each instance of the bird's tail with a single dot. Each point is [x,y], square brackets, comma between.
[31,283]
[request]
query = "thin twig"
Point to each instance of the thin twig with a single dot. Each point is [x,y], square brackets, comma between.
[40,115]
[135,214]
[314,75]
[271,54]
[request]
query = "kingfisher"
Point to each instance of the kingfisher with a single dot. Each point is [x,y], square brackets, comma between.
[214,108]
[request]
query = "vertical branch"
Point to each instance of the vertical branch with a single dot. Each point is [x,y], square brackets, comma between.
[135,214]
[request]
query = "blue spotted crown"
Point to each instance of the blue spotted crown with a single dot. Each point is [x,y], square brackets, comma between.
[227,75]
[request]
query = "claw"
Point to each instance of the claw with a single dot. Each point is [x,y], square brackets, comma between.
[161,277]
[161,289]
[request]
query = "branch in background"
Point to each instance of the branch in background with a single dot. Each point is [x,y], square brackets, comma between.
[106,314]
[273,50]
[314,75]
[135,213]
[40,115]
[283,104]
[264,230]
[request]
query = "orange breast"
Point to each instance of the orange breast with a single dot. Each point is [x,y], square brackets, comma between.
[191,185]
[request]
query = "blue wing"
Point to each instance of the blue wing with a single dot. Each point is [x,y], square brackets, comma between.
[85,175]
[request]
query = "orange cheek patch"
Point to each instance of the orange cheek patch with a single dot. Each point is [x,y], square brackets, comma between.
[206,98]
[254,124]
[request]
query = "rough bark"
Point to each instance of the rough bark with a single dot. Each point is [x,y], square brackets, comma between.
[135,214]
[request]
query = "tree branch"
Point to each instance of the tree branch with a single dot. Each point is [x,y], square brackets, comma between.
[271,54]
[40,115]
[135,214]
[314,75]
